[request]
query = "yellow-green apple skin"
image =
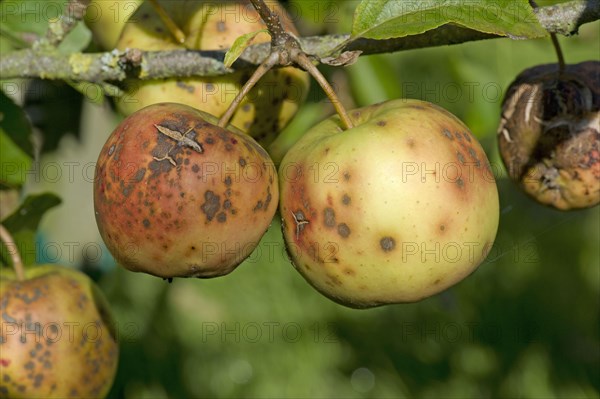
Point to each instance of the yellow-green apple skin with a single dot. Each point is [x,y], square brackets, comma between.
[182,208]
[210,25]
[57,338]
[106,19]
[394,210]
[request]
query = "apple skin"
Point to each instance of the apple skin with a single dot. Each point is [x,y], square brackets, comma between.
[57,338]
[549,134]
[106,19]
[168,210]
[210,25]
[397,209]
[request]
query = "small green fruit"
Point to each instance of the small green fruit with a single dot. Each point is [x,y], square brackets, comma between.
[57,337]
[177,196]
[396,209]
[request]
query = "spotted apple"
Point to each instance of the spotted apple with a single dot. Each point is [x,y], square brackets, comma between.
[395,209]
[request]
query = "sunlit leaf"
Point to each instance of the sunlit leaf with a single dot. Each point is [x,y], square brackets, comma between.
[385,19]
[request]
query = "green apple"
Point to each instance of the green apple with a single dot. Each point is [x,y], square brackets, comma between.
[177,196]
[549,134]
[106,19]
[210,25]
[57,338]
[398,208]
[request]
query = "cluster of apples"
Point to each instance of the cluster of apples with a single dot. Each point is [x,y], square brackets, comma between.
[397,208]
[394,209]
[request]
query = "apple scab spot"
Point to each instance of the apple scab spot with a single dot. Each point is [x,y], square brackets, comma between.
[387,244]
[221,217]
[242,162]
[228,181]
[447,133]
[146,223]
[329,217]
[347,176]
[346,199]
[461,158]
[442,227]
[211,205]
[343,230]
[460,183]
[381,123]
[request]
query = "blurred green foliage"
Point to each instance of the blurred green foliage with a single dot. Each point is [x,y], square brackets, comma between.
[525,324]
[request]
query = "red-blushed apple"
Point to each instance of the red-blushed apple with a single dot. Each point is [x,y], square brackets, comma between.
[57,339]
[177,196]
[398,208]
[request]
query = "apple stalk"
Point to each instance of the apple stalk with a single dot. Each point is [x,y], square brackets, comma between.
[285,50]
[10,245]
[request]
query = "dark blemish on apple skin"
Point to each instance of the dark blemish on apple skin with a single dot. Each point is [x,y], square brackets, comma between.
[442,227]
[458,135]
[387,244]
[343,230]
[186,87]
[258,206]
[210,86]
[246,108]
[381,123]
[467,137]
[195,168]
[146,223]
[209,140]
[346,176]
[228,181]
[346,199]
[221,217]
[226,204]
[447,133]
[329,217]
[436,282]
[221,26]
[349,272]
[211,205]
[461,157]
[139,175]
[242,162]
[460,183]
[111,150]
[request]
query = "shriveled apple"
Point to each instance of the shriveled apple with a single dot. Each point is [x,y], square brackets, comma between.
[549,134]
[398,208]
[177,196]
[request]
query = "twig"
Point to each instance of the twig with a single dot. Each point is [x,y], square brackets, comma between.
[559,53]
[13,251]
[58,29]
[265,67]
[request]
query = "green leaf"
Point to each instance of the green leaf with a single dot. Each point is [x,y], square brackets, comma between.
[15,163]
[15,124]
[238,47]
[386,19]
[23,224]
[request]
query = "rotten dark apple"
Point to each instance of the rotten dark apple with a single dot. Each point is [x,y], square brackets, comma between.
[549,134]
[177,196]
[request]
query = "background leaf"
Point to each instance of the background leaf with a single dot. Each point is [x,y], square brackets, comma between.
[15,124]
[385,19]
[23,224]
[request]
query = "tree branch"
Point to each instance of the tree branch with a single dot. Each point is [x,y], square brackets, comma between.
[562,19]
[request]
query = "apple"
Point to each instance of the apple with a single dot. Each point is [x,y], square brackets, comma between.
[106,19]
[57,338]
[210,25]
[177,196]
[396,209]
[549,134]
